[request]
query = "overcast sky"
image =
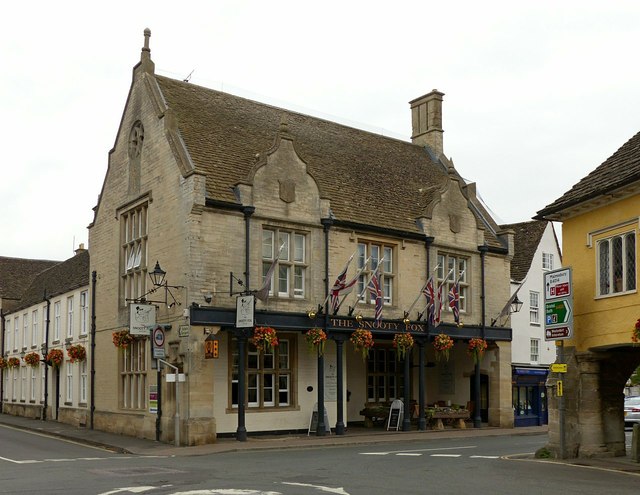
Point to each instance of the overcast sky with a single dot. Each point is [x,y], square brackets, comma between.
[537,94]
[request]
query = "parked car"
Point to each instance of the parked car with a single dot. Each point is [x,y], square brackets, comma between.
[631,410]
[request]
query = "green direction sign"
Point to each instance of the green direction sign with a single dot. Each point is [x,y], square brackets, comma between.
[557,312]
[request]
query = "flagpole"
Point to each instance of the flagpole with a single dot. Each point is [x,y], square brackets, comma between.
[406,313]
[346,266]
[355,277]
[373,273]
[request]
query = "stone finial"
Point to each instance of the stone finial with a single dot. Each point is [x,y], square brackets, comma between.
[147,35]
[145,55]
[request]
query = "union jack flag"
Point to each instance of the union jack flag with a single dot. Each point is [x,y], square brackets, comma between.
[341,287]
[429,294]
[439,300]
[454,301]
[376,293]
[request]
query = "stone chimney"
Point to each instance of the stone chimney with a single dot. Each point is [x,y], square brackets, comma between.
[426,121]
[80,248]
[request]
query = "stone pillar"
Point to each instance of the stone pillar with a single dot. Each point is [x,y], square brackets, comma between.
[500,405]
[590,407]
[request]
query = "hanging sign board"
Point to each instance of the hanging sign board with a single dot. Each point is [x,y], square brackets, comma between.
[244,311]
[396,411]
[142,318]
[313,422]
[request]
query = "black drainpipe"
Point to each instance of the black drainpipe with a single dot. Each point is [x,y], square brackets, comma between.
[93,348]
[44,357]
[248,211]
[477,417]
[2,329]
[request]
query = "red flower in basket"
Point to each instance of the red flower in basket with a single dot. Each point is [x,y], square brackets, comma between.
[316,338]
[264,338]
[32,359]
[55,357]
[442,344]
[362,340]
[403,342]
[122,339]
[476,349]
[13,362]
[77,353]
[635,335]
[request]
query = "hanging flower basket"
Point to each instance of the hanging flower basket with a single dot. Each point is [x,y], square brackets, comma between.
[402,342]
[442,344]
[13,362]
[122,339]
[32,359]
[55,357]
[635,335]
[316,338]
[265,339]
[3,363]
[362,340]
[476,349]
[77,353]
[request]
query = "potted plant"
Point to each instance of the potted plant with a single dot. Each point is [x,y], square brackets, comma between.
[442,344]
[362,341]
[265,339]
[402,342]
[476,349]
[32,359]
[13,362]
[3,363]
[77,353]
[316,338]
[55,357]
[122,338]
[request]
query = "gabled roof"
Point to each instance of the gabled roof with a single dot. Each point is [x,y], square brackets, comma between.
[526,240]
[16,274]
[58,279]
[369,179]
[619,170]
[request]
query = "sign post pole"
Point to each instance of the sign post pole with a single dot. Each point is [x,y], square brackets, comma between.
[558,300]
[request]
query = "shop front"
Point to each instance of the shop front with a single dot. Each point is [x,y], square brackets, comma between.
[529,396]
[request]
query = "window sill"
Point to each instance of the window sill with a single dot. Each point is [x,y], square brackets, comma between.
[616,294]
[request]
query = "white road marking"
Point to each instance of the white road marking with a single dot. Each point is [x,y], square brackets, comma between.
[484,456]
[75,459]
[130,489]
[339,491]
[409,454]
[418,450]
[226,491]
[446,455]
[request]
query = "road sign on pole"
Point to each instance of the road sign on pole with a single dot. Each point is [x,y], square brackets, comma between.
[558,304]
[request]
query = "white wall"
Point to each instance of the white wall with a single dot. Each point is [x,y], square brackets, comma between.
[523,329]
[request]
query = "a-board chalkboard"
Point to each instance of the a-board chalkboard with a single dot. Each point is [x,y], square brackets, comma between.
[313,422]
[396,413]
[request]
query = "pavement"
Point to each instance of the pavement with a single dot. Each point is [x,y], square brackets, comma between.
[353,436]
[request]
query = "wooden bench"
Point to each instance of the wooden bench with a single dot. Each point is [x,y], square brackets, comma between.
[440,417]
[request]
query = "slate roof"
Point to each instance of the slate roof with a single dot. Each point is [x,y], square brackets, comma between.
[16,274]
[369,179]
[58,279]
[526,240]
[620,169]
